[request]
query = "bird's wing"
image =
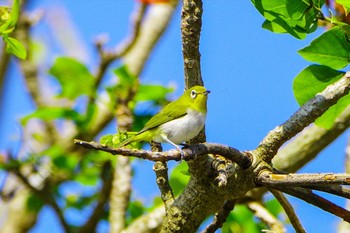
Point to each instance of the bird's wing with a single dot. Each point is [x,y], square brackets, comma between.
[167,114]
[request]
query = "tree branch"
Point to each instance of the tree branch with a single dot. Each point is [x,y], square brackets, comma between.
[220,217]
[162,180]
[108,56]
[316,200]
[288,208]
[244,160]
[191,26]
[307,114]
[309,143]
[292,180]
[106,176]
[262,213]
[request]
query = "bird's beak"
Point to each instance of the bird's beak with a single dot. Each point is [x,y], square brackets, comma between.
[206,92]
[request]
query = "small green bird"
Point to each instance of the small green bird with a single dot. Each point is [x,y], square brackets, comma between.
[179,121]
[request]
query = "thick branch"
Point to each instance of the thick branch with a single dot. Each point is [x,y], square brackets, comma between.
[307,114]
[308,144]
[191,26]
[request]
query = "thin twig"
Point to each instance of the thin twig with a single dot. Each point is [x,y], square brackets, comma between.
[262,213]
[307,114]
[220,217]
[337,190]
[316,200]
[45,195]
[242,159]
[108,56]
[106,176]
[288,208]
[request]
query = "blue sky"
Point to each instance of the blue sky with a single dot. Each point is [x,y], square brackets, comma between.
[249,71]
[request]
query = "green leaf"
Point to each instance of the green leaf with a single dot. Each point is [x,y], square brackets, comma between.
[135,210]
[34,203]
[152,93]
[53,113]
[313,80]
[240,220]
[89,176]
[345,3]
[179,178]
[331,49]
[107,140]
[296,17]
[15,47]
[65,162]
[10,24]
[274,207]
[74,77]
[328,118]
[5,13]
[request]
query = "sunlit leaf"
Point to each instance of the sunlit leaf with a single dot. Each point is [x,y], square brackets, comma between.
[152,92]
[53,113]
[74,77]
[331,49]
[107,140]
[13,46]
[11,22]
[179,178]
[345,3]
[313,80]
[296,17]
[135,210]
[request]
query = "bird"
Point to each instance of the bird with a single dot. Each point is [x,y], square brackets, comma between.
[178,122]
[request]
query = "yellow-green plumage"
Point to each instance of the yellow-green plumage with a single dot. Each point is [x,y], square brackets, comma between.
[179,121]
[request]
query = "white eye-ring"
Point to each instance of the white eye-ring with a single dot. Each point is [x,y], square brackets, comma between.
[193,94]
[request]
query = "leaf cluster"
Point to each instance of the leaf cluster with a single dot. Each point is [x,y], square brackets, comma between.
[8,22]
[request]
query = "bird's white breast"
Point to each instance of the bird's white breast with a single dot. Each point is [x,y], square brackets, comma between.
[184,128]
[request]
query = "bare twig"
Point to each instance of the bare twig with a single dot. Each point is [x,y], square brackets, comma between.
[344,227]
[337,190]
[106,176]
[108,56]
[242,159]
[288,208]
[161,170]
[45,196]
[300,180]
[220,217]
[316,200]
[262,213]
[307,114]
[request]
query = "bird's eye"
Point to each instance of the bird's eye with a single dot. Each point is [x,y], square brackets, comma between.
[193,94]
